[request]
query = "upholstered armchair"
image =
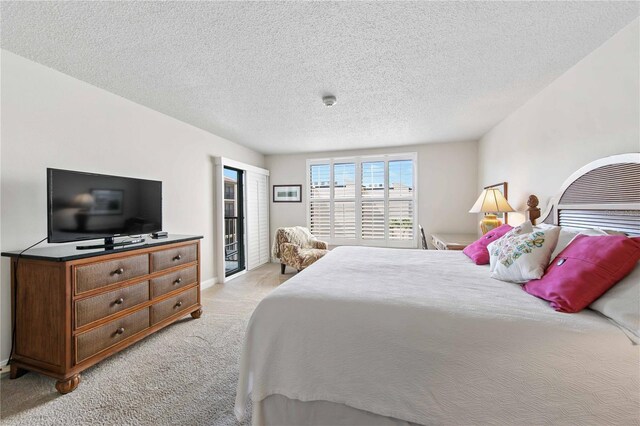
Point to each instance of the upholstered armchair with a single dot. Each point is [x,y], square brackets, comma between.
[297,248]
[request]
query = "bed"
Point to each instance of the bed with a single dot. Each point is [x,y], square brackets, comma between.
[387,337]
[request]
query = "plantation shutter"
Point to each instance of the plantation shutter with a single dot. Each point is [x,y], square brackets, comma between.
[364,200]
[257,219]
[401,201]
[373,192]
[320,201]
[344,205]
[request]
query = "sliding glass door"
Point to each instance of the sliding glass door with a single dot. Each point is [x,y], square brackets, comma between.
[234,250]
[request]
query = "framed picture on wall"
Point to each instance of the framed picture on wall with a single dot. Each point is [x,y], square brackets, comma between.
[107,201]
[287,193]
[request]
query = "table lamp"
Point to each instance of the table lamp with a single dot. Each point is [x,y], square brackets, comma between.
[490,202]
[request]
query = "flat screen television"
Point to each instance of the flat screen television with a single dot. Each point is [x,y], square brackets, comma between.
[86,206]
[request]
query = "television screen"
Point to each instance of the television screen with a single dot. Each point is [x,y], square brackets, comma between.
[85,206]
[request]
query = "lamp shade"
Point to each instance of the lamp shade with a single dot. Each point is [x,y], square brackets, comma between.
[84,200]
[491,201]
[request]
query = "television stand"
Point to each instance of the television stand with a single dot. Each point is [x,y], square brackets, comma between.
[110,243]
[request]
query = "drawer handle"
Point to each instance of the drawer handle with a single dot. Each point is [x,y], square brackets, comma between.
[120,330]
[119,301]
[178,281]
[178,305]
[177,257]
[118,271]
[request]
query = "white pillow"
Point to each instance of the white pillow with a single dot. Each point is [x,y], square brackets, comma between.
[567,234]
[525,228]
[621,303]
[520,258]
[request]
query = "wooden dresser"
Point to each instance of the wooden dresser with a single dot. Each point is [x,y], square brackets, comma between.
[74,308]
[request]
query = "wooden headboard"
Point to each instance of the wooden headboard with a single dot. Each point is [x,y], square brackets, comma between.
[605,194]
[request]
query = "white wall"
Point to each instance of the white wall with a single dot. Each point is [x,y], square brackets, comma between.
[50,119]
[447,186]
[591,111]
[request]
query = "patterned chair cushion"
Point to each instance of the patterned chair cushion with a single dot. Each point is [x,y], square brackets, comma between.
[310,255]
[296,247]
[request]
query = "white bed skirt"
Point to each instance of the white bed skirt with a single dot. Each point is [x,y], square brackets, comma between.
[278,410]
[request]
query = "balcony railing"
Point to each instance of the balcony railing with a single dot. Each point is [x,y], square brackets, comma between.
[231,243]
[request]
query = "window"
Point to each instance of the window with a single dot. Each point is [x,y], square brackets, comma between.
[363,200]
[401,206]
[319,201]
[344,204]
[229,208]
[229,189]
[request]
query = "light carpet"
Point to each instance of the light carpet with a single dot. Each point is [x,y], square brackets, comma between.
[184,374]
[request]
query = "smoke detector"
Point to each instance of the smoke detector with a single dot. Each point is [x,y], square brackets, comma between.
[329,101]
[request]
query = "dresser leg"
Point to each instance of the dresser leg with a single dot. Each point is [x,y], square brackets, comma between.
[16,372]
[196,314]
[69,385]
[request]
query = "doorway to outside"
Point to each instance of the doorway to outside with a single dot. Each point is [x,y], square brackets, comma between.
[234,253]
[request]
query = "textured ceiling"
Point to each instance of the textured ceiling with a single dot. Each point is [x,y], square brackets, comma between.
[255,72]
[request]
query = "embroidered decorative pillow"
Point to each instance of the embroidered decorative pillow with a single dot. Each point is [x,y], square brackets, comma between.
[519,258]
[525,228]
[477,251]
[587,268]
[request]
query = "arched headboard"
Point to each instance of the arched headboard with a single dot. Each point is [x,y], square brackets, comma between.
[605,193]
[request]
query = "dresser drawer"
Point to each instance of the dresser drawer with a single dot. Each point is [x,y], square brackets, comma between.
[173,305]
[103,305]
[174,281]
[169,258]
[96,275]
[105,336]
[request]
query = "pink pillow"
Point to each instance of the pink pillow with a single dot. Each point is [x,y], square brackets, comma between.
[585,270]
[477,251]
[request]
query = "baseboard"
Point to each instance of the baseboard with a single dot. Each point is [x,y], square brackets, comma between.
[208,283]
[234,276]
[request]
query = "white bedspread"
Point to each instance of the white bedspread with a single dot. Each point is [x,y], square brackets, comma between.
[428,337]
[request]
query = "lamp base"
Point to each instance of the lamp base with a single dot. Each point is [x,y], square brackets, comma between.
[489,222]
